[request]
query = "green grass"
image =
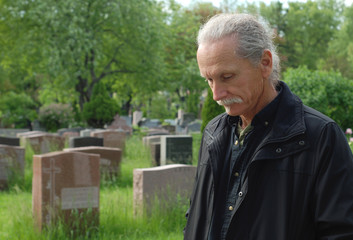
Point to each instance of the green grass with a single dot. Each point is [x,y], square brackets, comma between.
[116,218]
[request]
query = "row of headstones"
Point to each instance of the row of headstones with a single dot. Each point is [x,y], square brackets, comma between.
[166,149]
[43,142]
[68,182]
[183,124]
[108,144]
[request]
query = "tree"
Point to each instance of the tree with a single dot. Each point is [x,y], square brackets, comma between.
[80,43]
[327,92]
[101,109]
[210,109]
[309,27]
[182,73]
[341,47]
[17,110]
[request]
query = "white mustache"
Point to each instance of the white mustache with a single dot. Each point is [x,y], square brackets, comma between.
[229,101]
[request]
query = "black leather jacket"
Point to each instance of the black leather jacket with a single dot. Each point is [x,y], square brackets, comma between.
[299,183]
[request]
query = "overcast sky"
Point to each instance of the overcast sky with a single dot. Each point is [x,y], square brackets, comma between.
[217,2]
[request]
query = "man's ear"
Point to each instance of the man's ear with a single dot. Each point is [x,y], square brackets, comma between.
[266,63]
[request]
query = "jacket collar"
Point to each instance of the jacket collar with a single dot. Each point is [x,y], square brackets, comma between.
[288,119]
[289,116]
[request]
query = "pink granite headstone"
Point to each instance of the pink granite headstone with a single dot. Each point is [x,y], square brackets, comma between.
[111,138]
[65,182]
[110,158]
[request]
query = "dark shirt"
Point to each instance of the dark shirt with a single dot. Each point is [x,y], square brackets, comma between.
[236,165]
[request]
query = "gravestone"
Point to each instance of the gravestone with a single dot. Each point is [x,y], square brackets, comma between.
[154,144]
[162,187]
[169,128]
[44,143]
[176,149]
[119,123]
[11,141]
[136,118]
[85,142]
[85,133]
[156,153]
[12,161]
[180,114]
[187,118]
[64,182]
[147,140]
[194,126]
[157,131]
[110,158]
[149,123]
[76,130]
[111,138]
[12,132]
[28,133]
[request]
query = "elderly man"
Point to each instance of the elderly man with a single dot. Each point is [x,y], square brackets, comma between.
[270,168]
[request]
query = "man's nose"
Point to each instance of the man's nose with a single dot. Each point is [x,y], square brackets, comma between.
[219,91]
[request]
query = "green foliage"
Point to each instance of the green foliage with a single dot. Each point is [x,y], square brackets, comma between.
[55,116]
[193,103]
[101,109]
[309,28]
[327,92]
[17,109]
[210,109]
[341,48]
[160,107]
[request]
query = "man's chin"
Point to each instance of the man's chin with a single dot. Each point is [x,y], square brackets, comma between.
[229,111]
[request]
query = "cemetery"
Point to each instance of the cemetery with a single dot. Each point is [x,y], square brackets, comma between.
[86,188]
[102,107]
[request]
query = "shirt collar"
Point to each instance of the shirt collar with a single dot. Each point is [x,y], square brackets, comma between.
[267,115]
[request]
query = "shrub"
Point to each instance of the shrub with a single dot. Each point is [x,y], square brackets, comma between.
[17,109]
[55,116]
[101,109]
[327,92]
[210,109]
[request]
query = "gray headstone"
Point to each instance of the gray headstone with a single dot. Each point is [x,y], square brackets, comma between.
[176,149]
[12,161]
[156,153]
[76,142]
[11,132]
[162,187]
[136,117]
[194,126]
[187,118]
[10,141]
[43,143]
[85,133]
[149,123]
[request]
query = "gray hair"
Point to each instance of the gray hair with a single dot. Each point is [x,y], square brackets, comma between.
[252,36]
